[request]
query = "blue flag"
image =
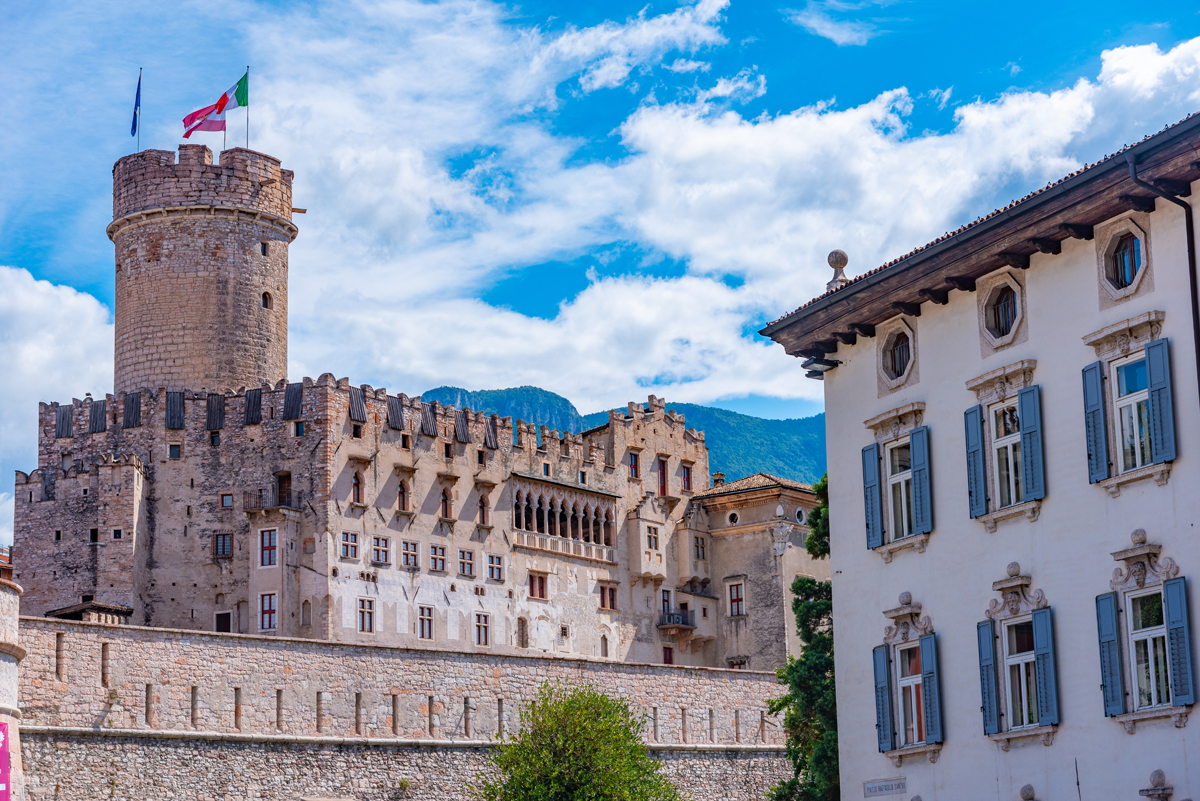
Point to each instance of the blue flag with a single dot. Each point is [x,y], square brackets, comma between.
[137,106]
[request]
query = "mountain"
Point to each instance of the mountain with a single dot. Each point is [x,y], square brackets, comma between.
[738,444]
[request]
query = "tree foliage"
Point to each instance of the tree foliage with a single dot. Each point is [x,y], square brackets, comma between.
[575,744]
[810,707]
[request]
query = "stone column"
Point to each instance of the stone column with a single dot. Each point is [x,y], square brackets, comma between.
[11,655]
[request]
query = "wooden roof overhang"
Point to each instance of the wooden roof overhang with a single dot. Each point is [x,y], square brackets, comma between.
[1036,224]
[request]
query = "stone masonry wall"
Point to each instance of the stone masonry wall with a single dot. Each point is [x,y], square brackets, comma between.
[231,716]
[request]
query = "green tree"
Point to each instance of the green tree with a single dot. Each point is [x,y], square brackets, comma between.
[810,707]
[575,744]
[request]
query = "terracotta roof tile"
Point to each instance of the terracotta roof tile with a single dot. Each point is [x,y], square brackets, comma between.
[756,481]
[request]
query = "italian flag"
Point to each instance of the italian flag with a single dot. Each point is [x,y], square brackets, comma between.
[212,118]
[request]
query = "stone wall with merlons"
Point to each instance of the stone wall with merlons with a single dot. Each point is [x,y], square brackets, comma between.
[200,715]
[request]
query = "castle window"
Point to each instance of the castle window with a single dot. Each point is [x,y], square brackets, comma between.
[306,614]
[267,301]
[425,621]
[897,356]
[537,586]
[545,468]
[437,558]
[402,497]
[356,431]
[582,477]
[298,428]
[408,554]
[223,622]
[85,492]
[687,478]
[349,545]
[1125,261]
[222,545]
[737,664]
[480,458]
[483,510]
[174,451]
[447,507]
[265,248]
[380,550]
[698,547]
[405,442]
[356,491]
[94,535]
[118,533]
[737,600]
[268,552]
[226,500]
[495,567]
[366,615]
[266,612]
[466,563]
[608,597]
[603,646]
[482,629]
[652,538]
[662,478]
[448,450]
[668,655]
[58,535]
[214,438]
[633,465]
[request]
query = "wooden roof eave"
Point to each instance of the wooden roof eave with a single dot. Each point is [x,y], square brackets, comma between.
[1090,199]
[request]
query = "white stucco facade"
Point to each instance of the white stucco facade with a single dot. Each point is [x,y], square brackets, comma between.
[1055,553]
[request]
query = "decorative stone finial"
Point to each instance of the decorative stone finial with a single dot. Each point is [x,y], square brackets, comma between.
[1014,569]
[838,261]
[1157,778]
[905,598]
[1027,793]
[1138,536]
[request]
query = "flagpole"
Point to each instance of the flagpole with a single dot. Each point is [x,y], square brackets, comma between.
[247,106]
[139,110]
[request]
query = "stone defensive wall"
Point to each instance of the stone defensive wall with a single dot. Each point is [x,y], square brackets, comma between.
[130,712]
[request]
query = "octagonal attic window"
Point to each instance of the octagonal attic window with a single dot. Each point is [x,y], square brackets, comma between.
[1125,261]
[1002,312]
[897,356]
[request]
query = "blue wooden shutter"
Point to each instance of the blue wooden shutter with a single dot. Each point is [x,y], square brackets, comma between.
[1179,641]
[918,442]
[1112,679]
[1094,422]
[930,689]
[989,686]
[883,698]
[976,477]
[175,410]
[871,499]
[1033,464]
[1047,678]
[1162,412]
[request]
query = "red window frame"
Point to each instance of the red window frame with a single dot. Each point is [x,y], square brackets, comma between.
[349,545]
[668,655]
[266,611]
[633,465]
[737,599]
[380,549]
[268,554]
[437,557]
[687,478]
[662,478]
[409,552]
[366,616]
[537,586]
[495,567]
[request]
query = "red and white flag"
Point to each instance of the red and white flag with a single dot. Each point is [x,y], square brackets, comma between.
[212,118]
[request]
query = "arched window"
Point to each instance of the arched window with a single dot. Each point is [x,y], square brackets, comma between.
[898,354]
[608,537]
[528,514]
[518,524]
[483,510]
[267,301]
[1126,260]
[356,489]
[402,497]
[541,516]
[1003,312]
[306,614]
[603,645]
[447,507]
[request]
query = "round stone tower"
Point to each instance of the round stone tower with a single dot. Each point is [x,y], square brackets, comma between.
[201,255]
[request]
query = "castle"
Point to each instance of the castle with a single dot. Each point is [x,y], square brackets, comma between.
[209,494]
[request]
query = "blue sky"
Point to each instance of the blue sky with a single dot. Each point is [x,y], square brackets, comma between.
[602,199]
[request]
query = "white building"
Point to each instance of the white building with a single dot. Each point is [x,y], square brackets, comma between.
[1015,537]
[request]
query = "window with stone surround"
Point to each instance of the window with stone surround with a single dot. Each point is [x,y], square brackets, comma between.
[267,302]
[652,538]
[356,488]
[537,586]
[409,555]
[482,629]
[425,622]
[175,451]
[698,549]
[349,545]
[466,563]
[900,488]
[446,509]
[1006,449]
[687,477]
[381,550]
[897,481]
[227,500]
[266,611]
[437,558]
[908,718]
[495,567]
[737,599]
[267,548]
[1132,406]
[366,616]
[222,545]
[633,465]
[402,496]
[1125,261]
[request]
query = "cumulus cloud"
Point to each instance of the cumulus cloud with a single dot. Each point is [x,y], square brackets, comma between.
[55,344]
[688,65]
[825,18]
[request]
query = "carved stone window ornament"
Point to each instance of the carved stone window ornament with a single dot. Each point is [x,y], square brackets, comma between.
[991,388]
[1121,339]
[896,355]
[1143,567]
[889,427]
[1016,601]
[908,626]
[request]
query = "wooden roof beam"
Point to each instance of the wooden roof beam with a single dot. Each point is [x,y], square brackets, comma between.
[1078,230]
[862,329]
[962,283]
[1174,187]
[1019,260]
[1136,203]
[1051,246]
[939,296]
[911,309]
[846,337]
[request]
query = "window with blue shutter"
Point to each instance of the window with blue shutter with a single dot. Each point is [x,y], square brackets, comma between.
[989,685]
[918,441]
[872,501]
[1179,641]
[1094,422]
[976,476]
[1029,408]
[1162,413]
[1112,680]
[1047,677]
[883,698]
[930,689]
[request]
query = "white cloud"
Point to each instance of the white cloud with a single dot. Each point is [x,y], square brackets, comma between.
[744,86]
[687,65]
[55,344]
[940,97]
[818,18]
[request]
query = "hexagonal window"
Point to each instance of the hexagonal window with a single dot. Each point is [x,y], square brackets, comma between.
[896,355]
[1123,264]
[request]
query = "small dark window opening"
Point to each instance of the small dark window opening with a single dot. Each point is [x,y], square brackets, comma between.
[299,428]
[479,457]
[94,535]
[175,451]
[214,438]
[545,469]
[1003,312]
[118,533]
[58,536]
[1125,261]
[224,619]
[448,450]
[267,302]
[898,354]
[87,598]
[356,431]
[405,442]
[265,249]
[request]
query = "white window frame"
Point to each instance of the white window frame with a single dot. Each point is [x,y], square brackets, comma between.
[273,611]
[410,553]
[1013,483]
[901,483]
[916,697]
[1146,635]
[378,549]
[483,622]
[425,623]
[366,616]
[1025,664]
[1130,401]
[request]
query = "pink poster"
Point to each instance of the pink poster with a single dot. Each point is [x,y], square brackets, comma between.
[5,772]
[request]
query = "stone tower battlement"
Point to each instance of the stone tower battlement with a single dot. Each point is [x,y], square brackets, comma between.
[201,268]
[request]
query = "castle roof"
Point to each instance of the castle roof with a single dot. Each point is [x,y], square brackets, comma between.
[753,482]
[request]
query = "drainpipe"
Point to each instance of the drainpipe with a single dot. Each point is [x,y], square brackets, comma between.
[1191,252]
